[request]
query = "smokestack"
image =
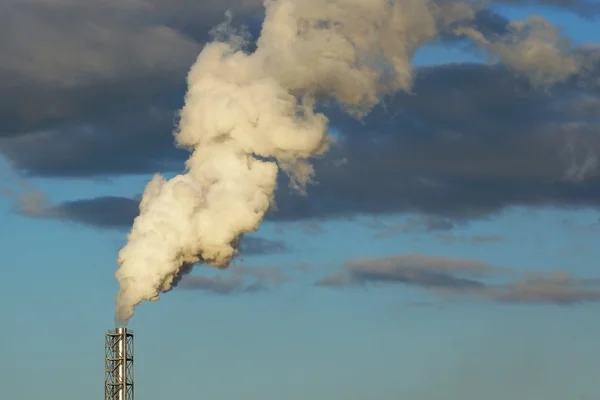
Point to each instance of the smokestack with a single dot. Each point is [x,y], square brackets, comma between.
[118,364]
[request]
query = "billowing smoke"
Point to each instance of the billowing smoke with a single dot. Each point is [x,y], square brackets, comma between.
[249,114]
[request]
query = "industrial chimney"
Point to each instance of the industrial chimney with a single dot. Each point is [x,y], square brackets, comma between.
[118,364]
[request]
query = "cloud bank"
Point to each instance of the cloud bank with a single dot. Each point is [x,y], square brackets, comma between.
[469,278]
[469,141]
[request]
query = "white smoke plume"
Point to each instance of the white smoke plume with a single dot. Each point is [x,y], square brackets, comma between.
[247,115]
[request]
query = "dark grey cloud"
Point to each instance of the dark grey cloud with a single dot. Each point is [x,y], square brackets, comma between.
[96,83]
[66,62]
[105,212]
[139,143]
[113,213]
[91,89]
[236,279]
[465,277]
[557,288]
[470,141]
[412,269]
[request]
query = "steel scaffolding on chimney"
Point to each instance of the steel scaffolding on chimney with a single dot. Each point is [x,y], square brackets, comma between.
[118,364]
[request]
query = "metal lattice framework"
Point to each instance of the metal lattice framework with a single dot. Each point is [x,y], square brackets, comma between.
[118,364]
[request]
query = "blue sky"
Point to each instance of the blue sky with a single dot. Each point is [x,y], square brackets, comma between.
[380,339]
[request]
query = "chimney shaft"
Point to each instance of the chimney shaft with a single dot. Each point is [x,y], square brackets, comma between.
[118,360]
